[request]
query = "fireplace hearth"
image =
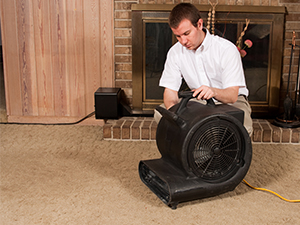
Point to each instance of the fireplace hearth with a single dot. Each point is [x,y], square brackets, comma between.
[152,37]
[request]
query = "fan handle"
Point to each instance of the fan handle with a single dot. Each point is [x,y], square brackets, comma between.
[186,96]
[173,117]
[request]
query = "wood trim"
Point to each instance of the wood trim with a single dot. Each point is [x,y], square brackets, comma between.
[137,52]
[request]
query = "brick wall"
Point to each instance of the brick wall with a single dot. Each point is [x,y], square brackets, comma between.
[144,128]
[123,49]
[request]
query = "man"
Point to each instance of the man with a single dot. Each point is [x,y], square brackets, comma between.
[210,65]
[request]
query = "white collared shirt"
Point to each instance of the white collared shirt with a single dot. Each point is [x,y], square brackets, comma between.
[216,63]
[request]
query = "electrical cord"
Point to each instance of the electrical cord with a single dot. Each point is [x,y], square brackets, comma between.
[74,123]
[267,190]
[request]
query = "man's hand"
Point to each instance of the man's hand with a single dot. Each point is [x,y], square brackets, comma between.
[227,95]
[204,92]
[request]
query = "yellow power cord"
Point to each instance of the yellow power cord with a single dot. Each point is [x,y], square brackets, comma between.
[263,189]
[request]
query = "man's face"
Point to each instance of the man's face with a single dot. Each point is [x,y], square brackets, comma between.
[189,36]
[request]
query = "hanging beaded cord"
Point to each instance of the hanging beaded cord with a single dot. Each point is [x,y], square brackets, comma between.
[211,17]
[208,19]
[238,42]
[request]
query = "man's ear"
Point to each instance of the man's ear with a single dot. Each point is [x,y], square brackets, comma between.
[200,24]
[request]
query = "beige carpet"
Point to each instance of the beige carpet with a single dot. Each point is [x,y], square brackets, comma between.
[70,175]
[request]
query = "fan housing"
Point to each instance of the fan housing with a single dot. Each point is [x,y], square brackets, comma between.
[205,151]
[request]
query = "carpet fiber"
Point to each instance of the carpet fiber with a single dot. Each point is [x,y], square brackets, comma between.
[70,175]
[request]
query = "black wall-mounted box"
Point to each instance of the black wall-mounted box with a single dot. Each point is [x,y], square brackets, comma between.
[107,103]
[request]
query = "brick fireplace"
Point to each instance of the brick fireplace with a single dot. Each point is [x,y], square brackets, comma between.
[139,128]
[123,38]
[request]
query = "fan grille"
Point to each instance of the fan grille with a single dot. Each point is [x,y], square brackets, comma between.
[215,151]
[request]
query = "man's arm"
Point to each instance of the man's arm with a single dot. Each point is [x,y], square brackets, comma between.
[170,97]
[227,95]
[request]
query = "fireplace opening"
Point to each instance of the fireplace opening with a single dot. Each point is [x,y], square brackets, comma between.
[158,40]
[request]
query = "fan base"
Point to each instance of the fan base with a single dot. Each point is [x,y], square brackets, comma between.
[172,185]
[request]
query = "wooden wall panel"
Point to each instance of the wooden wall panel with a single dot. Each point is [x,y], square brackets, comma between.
[43,52]
[26,45]
[56,54]
[75,63]
[107,43]
[59,57]
[91,49]
[11,55]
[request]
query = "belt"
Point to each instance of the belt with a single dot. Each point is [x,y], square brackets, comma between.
[244,97]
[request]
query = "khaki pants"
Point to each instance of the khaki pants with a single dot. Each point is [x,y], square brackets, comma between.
[241,103]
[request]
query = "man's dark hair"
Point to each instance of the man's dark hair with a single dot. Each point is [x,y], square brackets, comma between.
[184,11]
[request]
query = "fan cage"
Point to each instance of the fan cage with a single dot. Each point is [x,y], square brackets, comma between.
[216,149]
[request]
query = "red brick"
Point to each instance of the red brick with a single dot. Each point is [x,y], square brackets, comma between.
[292,26]
[274,3]
[135,130]
[126,129]
[288,38]
[123,41]
[123,67]
[122,24]
[123,14]
[257,132]
[146,130]
[123,50]
[117,129]
[107,131]
[266,132]
[123,32]
[276,135]
[295,135]
[292,8]
[153,129]
[293,17]
[123,58]
[123,5]
[116,132]
[286,135]
[256,2]
[124,75]
[123,84]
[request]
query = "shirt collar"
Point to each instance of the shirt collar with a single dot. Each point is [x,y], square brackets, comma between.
[206,41]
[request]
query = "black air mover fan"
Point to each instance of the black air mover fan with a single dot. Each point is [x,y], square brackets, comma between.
[206,151]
